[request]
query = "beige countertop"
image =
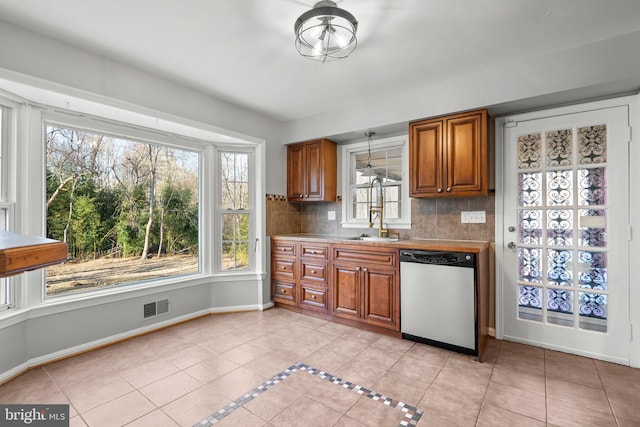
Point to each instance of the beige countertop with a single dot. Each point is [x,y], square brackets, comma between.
[469,246]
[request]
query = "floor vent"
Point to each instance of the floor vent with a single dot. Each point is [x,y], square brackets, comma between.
[156,308]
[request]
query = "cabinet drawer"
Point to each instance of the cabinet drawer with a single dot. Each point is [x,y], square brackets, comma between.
[364,257]
[309,251]
[284,267]
[314,271]
[314,298]
[284,248]
[284,292]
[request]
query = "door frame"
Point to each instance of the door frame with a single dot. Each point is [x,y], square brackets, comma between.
[632,102]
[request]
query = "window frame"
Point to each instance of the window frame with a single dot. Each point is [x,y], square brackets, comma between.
[219,211]
[9,111]
[134,133]
[348,153]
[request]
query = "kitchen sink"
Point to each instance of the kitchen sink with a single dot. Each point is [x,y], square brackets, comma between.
[376,239]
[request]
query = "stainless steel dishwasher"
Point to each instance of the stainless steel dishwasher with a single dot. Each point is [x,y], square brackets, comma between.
[438,296]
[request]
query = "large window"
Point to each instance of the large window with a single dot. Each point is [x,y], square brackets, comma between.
[234,207]
[127,209]
[6,207]
[360,192]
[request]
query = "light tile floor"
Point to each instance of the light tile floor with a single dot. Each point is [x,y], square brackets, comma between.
[183,374]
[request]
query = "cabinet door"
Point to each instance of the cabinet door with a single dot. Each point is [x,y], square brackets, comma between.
[314,179]
[295,172]
[346,291]
[380,297]
[467,155]
[426,166]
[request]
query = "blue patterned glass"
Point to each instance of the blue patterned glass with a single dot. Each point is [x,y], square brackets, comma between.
[560,301]
[593,270]
[560,188]
[592,187]
[560,227]
[559,267]
[530,230]
[592,231]
[530,303]
[530,189]
[529,265]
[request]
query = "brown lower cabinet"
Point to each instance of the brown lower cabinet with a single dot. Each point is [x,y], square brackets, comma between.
[348,284]
[366,286]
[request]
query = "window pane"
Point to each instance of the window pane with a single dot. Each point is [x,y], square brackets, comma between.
[128,211]
[387,164]
[4,282]
[234,177]
[235,241]
[235,218]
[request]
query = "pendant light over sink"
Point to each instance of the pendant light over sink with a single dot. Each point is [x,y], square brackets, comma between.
[368,170]
[326,32]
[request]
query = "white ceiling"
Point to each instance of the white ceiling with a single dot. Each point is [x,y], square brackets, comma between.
[242,51]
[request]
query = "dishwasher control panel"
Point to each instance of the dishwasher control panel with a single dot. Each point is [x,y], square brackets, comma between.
[438,257]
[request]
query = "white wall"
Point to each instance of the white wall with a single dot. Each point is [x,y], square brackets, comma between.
[602,63]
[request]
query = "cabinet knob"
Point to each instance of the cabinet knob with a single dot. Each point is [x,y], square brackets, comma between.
[284,268]
[357,268]
[313,297]
[448,189]
[306,195]
[439,190]
[313,272]
[365,269]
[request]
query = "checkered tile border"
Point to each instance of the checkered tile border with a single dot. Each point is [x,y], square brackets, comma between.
[411,414]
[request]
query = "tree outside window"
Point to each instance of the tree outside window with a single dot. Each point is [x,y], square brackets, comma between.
[128,210]
[234,210]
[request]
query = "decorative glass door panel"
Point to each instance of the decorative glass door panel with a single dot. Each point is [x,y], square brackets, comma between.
[565,176]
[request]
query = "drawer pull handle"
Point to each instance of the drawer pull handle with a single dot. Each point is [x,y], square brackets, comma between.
[312,252]
[284,268]
[313,272]
[313,296]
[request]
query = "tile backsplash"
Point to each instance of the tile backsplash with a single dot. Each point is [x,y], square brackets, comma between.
[431,218]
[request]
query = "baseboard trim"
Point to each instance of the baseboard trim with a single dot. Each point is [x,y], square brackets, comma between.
[114,339]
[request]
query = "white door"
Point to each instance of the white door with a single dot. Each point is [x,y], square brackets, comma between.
[566,233]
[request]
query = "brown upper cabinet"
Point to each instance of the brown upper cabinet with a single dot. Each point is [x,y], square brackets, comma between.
[448,156]
[311,171]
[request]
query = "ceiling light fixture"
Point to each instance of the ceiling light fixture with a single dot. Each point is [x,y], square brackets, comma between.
[368,170]
[326,32]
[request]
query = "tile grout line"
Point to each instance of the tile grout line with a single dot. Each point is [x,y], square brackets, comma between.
[411,414]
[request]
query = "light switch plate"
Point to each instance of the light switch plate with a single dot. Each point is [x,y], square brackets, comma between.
[473,217]
[331,215]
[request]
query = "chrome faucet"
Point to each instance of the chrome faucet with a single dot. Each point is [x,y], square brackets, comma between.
[382,232]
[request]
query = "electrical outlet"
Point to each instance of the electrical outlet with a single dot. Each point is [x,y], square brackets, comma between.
[473,217]
[331,215]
